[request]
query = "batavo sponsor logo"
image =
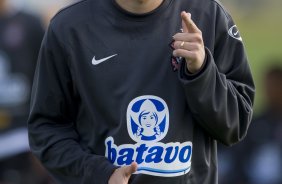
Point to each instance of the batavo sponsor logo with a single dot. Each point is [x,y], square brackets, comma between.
[147,124]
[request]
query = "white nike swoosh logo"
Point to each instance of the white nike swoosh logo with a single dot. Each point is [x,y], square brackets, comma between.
[98,61]
[236,33]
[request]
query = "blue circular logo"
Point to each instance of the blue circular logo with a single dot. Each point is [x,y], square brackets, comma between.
[147,119]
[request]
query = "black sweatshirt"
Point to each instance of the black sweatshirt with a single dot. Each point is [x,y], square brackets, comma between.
[107,92]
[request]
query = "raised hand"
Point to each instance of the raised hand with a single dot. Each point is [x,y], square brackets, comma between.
[190,44]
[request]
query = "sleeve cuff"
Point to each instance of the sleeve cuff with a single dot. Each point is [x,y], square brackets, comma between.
[185,75]
[99,170]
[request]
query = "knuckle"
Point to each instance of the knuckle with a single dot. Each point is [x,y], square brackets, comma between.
[176,52]
[177,36]
[177,45]
[174,44]
[197,46]
[199,37]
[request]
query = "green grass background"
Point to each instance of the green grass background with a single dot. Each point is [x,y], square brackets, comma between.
[260,26]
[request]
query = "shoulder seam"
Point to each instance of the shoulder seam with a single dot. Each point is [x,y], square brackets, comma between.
[222,8]
[66,8]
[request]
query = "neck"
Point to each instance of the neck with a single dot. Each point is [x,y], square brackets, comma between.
[148,132]
[139,6]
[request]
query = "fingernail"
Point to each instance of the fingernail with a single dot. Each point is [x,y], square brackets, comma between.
[189,15]
[172,45]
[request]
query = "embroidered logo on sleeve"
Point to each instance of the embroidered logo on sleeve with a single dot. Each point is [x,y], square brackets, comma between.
[234,33]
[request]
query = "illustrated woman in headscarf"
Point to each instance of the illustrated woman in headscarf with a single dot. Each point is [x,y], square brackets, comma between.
[149,120]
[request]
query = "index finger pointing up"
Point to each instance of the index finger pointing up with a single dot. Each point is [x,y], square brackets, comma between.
[188,23]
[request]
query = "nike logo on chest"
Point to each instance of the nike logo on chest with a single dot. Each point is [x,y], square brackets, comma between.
[99,61]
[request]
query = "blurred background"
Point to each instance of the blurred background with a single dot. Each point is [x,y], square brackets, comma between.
[256,160]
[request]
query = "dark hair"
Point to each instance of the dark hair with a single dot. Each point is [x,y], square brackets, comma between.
[145,113]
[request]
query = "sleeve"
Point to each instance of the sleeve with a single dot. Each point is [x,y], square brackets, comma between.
[36,33]
[52,134]
[221,95]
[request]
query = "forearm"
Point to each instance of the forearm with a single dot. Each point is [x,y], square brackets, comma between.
[57,148]
[223,107]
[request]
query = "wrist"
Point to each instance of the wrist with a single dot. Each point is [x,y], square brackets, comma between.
[191,69]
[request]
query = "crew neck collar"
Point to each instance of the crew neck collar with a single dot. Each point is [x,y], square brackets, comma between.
[129,15]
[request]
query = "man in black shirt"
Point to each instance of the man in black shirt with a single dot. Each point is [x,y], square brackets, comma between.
[139,91]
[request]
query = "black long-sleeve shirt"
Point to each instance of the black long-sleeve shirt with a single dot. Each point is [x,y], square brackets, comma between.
[106,94]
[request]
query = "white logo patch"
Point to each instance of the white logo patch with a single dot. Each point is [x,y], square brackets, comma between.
[147,124]
[147,119]
[234,33]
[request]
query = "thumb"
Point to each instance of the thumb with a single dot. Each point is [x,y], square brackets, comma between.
[129,170]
